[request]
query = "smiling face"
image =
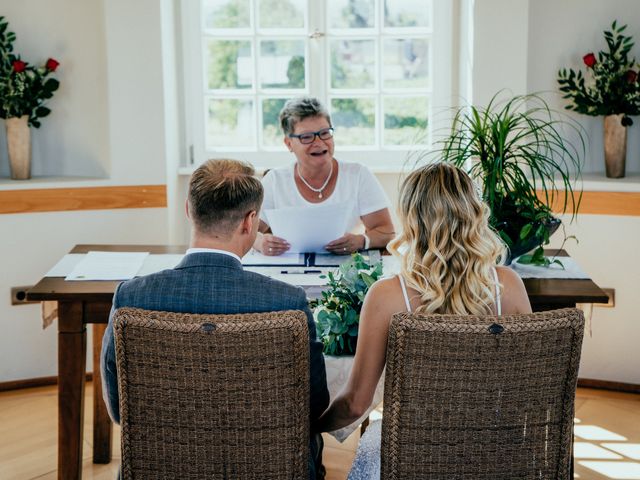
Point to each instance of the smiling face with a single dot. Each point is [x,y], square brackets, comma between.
[317,153]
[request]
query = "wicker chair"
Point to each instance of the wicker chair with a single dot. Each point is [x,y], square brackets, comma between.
[480,397]
[213,396]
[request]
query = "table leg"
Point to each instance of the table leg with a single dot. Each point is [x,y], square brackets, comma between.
[102,426]
[72,351]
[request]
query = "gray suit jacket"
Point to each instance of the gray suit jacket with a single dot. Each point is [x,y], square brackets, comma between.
[211,283]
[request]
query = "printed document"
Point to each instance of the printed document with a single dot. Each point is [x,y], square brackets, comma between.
[108,266]
[309,229]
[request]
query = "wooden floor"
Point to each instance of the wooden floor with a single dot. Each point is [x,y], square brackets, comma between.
[607,438]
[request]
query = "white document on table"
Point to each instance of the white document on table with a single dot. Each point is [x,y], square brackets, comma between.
[108,266]
[309,229]
[65,265]
[158,262]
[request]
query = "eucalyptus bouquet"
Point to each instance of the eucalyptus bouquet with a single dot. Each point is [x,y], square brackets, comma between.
[337,312]
[24,88]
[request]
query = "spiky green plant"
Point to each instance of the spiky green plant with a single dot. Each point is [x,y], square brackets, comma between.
[519,150]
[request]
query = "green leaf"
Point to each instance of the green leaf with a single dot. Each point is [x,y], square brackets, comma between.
[51,85]
[42,111]
[524,232]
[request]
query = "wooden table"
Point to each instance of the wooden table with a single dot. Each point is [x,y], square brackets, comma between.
[89,302]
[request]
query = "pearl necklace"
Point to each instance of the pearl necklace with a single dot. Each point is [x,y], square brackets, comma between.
[324,185]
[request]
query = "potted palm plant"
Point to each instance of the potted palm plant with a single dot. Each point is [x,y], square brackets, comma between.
[519,151]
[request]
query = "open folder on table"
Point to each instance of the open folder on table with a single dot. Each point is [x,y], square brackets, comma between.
[310,228]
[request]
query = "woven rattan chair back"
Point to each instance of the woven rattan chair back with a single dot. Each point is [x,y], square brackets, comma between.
[482,398]
[213,396]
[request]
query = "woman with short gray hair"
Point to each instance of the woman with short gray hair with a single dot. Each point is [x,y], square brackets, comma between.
[318,178]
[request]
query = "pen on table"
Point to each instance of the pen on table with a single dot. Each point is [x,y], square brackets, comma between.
[291,272]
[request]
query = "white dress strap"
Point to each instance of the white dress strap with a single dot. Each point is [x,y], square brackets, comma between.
[404,293]
[498,300]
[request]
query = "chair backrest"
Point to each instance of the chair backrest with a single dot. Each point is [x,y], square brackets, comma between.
[480,397]
[213,396]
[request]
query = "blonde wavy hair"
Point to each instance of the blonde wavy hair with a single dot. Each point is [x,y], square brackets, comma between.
[447,248]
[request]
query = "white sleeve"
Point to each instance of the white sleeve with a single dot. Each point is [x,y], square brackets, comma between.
[268,183]
[371,195]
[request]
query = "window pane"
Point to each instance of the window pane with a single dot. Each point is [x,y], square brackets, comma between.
[230,123]
[405,120]
[271,132]
[352,64]
[351,13]
[405,63]
[226,13]
[282,64]
[354,120]
[406,13]
[281,13]
[229,64]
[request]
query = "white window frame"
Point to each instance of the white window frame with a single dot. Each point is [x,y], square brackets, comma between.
[387,159]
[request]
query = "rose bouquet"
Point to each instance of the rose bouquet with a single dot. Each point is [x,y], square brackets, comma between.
[611,86]
[24,88]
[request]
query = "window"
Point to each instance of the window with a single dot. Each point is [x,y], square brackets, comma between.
[371,62]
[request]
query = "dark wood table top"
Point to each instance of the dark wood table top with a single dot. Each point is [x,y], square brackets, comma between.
[541,291]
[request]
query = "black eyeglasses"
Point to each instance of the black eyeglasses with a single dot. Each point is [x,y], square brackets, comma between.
[309,137]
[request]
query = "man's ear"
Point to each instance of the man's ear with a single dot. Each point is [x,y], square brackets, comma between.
[287,142]
[186,209]
[248,222]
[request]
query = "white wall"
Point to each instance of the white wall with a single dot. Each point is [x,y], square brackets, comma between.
[73,139]
[560,34]
[114,118]
[108,122]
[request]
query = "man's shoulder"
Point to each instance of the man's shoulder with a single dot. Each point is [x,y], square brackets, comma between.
[146,282]
[267,285]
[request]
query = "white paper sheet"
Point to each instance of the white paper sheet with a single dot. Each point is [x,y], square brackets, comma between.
[571,270]
[309,229]
[157,262]
[108,266]
[256,258]
[295,275]
[65,265]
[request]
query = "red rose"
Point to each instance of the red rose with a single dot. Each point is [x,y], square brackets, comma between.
[52,64]
[589,60]
[19,66]
[631,76]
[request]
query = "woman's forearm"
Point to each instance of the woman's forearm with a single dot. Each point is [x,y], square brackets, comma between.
[379,238]
[341,413]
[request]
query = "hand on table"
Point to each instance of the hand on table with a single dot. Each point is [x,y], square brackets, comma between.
[346,244]
[272,245]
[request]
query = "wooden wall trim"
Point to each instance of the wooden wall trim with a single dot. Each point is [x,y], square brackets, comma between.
[155,196]
[604,203]
[85,198]
[34,382]
[607,385]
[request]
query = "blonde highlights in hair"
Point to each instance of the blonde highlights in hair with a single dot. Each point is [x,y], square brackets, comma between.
[221,193]
[447,248]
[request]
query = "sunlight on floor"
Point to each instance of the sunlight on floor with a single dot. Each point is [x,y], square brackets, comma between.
[611,452]
[593,432]
[615,470]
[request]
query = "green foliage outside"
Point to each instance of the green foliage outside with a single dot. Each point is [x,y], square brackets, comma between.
[337,312]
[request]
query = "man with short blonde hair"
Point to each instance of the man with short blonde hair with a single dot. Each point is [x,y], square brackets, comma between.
[223,203]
